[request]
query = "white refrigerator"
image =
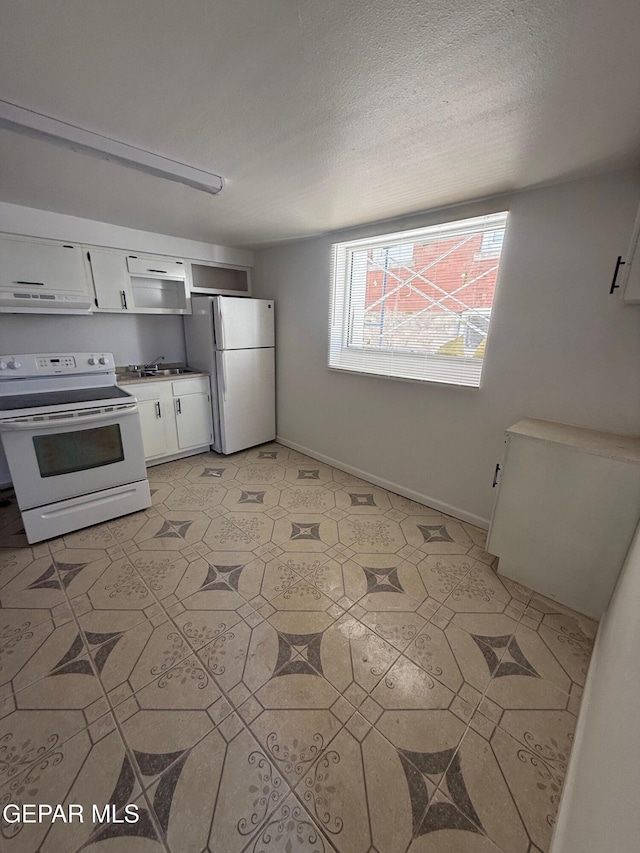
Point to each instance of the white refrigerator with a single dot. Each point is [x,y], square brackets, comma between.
[232,338]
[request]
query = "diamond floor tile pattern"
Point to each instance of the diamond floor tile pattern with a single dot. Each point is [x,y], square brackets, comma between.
[278,656]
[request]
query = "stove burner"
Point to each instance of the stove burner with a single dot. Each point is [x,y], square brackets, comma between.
[40,399]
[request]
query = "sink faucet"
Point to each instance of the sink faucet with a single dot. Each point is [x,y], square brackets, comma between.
[152,365]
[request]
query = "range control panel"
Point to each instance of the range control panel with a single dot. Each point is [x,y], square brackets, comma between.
[55,364]
[45,362]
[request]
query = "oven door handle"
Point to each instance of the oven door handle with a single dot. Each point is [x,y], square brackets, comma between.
[54,423]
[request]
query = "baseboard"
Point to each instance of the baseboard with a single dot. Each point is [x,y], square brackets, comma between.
[427,500]
[175,456]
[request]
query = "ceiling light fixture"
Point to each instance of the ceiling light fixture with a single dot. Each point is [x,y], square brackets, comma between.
[38,126]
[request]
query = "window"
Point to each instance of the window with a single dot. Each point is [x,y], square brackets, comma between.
[492,243]
[394,256]
[416,305]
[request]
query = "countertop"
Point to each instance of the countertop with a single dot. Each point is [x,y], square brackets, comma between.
[125,377]
[625,447]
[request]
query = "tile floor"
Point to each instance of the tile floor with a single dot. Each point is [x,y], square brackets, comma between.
[278,657]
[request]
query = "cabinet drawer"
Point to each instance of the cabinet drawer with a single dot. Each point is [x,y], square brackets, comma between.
[199,385]
[156,267]
[145,391]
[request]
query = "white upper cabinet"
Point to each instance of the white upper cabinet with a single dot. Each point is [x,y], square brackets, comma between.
[56,266]
[42,275]
[157,286]
[627,272]
[631,276]
[156,267]
[207,278]
[47,276]
[111,280]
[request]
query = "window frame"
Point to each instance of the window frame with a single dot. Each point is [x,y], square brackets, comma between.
[345,355]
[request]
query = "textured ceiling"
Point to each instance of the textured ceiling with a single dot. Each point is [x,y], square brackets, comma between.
[320,114]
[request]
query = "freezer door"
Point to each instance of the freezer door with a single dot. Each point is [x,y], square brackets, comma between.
[246,388]
[243,323]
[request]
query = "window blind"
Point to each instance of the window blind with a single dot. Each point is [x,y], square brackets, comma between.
[416,304]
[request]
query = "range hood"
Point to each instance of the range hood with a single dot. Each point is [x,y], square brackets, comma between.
[28,300]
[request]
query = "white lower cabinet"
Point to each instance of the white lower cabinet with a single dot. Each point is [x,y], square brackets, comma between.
[193,420]
[566,510]
[175,416]
[154,432]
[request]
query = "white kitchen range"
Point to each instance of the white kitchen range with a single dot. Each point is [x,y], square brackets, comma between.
[72,439]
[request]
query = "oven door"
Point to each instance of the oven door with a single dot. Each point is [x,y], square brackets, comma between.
[70,454]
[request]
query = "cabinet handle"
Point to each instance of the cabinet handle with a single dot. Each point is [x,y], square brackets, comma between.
[224,382]
[178,406]
[495,476]
[39,283]
[164,272]
[158,410]
[619,263]
[123,296]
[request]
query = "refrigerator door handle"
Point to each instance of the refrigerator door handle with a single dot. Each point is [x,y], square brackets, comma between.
[224,380]
[219,325]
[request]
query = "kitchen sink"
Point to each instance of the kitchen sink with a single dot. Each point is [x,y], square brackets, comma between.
[161,371]
[166,371]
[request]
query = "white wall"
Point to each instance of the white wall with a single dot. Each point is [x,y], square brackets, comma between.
[133,339]
[559,348]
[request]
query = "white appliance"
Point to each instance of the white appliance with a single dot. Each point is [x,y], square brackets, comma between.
[233,338]
[73,441]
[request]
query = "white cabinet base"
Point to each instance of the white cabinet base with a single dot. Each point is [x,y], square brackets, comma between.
[566,510]
[175,417]
[193,451]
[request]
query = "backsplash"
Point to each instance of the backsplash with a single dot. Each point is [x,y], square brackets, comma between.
[132,338]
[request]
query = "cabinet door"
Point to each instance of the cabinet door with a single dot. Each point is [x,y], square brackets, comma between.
[563,521]
[156,267]
[246,382]
[193,419]
[631,293]
[110,280]
[206,278]
[54,266]
[153,428]
[630,283]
